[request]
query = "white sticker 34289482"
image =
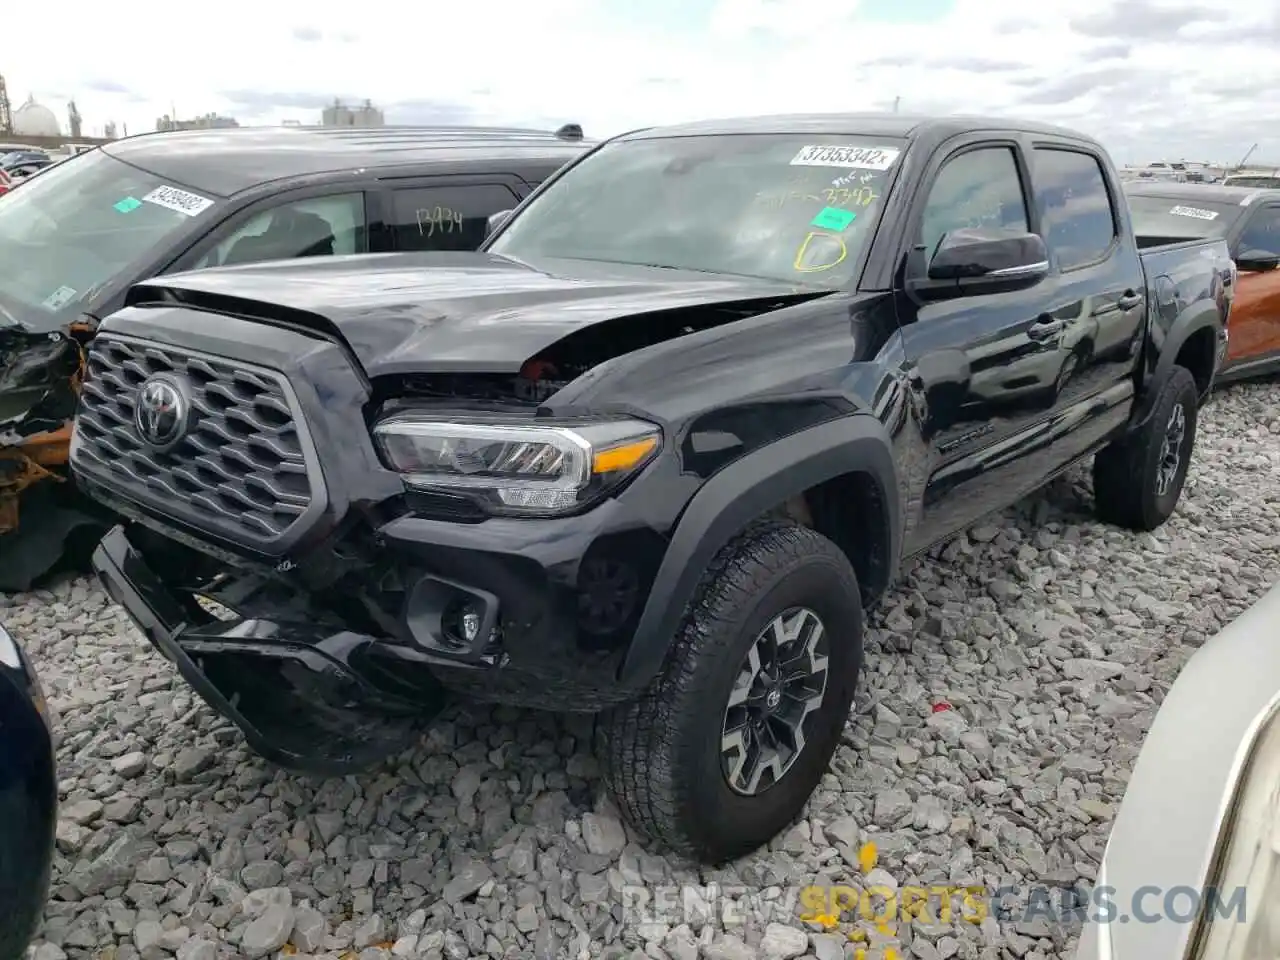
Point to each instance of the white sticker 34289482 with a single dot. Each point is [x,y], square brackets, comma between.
[191,204]
[856,158]
[1194,212]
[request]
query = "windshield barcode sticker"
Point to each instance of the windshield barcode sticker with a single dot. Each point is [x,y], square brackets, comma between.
[1194,212]
[59,298]
[854,158]
[172,198]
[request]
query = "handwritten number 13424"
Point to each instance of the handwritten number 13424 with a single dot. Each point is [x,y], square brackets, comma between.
[433,220]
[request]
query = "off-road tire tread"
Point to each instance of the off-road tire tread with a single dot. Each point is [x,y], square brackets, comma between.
[1120,481]
[634,742]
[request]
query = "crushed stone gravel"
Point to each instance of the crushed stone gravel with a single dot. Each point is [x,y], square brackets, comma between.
[1009,680]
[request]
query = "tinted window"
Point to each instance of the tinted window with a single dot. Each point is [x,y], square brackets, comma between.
[446,217]
[790,207]
[979,188]
[315,227]
[1262,232]
[1076,208]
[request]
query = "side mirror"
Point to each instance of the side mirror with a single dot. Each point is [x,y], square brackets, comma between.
[983,260]
[495,222]
[1258,260]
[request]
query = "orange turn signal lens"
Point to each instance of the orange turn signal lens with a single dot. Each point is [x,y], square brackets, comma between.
[623,457]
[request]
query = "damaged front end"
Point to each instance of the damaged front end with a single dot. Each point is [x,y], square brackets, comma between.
[309,691]
[40,377]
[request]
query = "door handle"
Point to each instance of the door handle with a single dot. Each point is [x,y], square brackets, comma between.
[1129,301]
[1044,328]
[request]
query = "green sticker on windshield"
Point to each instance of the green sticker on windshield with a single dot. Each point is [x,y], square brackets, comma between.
[833,218]
[128,205]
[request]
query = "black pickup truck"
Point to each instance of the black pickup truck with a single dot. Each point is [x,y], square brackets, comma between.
[650,453]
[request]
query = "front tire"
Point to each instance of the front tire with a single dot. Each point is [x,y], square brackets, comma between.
[1137,481]
[724,748]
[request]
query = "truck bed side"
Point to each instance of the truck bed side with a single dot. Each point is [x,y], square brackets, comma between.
[1190,286]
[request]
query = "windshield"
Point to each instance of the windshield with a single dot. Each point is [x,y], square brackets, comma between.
[1179,219]
[795,208]
[80,224]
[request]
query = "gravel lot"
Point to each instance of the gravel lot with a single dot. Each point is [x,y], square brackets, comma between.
[1051,637]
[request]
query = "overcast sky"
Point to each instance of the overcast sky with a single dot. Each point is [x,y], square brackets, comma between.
[1154,79]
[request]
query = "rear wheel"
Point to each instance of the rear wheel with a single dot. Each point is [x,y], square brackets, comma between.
[1137,482]
[723,750]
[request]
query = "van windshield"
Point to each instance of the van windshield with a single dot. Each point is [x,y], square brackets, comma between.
[793,207]
[67,233]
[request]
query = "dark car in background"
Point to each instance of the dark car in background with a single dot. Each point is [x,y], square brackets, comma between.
[74,239]
[28,799]
[19,158]
[1249,220]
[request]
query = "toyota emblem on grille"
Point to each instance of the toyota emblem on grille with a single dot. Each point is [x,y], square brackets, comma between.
[160,412]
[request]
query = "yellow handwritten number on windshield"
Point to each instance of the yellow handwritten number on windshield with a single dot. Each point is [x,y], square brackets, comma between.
[840,251]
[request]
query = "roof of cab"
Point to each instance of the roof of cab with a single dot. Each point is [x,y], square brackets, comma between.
[1204,192]
[896,125]
[225,162]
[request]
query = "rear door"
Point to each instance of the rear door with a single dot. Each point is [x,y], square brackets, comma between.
[446,212]
[1100,288]
[1255,315]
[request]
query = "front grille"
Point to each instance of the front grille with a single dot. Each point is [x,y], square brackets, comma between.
[240,470]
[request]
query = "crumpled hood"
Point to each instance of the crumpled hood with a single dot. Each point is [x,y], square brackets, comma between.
[417,313]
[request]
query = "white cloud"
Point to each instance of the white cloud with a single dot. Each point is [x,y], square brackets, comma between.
[1153,78]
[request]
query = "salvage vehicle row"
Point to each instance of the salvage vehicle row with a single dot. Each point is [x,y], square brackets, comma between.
[650,453]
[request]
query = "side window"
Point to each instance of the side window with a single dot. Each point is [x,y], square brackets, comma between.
[1262,232]
[1079,223]
[978,188]
[447,217]
[315,227]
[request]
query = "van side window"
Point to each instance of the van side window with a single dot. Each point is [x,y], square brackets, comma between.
[447,217]
[315,227]
[977,188]
[1079,222]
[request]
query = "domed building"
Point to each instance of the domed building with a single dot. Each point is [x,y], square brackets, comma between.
[35,120]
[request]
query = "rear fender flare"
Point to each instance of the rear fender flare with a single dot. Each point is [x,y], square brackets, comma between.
[739,494]
[1200,316]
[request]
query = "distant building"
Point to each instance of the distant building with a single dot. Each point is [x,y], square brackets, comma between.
[35,120]
[210,121]
[340,115]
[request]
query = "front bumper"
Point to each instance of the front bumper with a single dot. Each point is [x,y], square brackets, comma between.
[307,697]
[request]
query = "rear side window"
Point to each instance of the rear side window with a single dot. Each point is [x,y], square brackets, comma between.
[446,217]
[978,188]
[1079,224]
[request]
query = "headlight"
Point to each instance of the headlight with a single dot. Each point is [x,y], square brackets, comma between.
[517,468]
[1243,922]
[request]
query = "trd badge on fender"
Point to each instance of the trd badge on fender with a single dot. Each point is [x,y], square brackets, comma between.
[161,412]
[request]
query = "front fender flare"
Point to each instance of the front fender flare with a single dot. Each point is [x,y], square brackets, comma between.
[742,492]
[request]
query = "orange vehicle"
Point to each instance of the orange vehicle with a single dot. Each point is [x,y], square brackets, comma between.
[1249,220]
